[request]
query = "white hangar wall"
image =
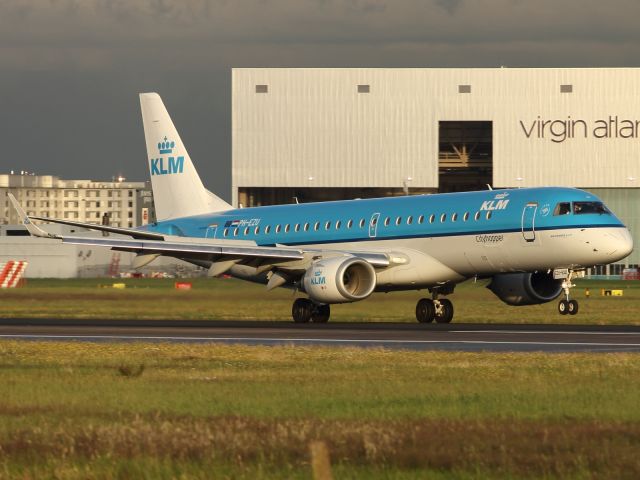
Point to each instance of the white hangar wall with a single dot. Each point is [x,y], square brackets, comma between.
[319,134]
[315,123]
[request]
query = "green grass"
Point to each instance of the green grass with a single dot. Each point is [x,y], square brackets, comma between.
[82,410]
[228,299]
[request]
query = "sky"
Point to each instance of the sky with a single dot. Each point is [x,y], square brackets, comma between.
[71,70]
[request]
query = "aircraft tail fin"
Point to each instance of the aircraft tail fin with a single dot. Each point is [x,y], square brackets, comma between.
[177,188]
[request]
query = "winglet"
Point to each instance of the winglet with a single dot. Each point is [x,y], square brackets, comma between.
[24,218]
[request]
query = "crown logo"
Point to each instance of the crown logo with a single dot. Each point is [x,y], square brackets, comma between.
[166,146]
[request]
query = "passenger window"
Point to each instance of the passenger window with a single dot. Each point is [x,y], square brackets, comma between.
[267,229]
[286,228]
[466,216]
[338,223]
[563,208]
[454,217]
[226,232]
[476,217]
[398,220]
[277,228]
[362,223]
[257,230]
[306,227]
[327,225]
[421,219]
[386,221]
[235,232]
[316,226]
[432,218]
[488,215]
[443,218]
[246,231]
[409,220]
[350,223]
[297,227]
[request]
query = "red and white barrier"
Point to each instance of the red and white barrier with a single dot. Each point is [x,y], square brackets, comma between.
[11,273]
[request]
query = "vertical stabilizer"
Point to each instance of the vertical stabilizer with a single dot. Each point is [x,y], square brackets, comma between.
[177,188]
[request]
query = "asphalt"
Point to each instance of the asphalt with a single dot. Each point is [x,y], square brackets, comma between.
[455,337]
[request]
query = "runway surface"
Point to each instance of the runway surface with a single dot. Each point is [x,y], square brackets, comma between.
[460,337]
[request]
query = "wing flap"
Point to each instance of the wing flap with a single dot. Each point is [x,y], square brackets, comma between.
[188,248]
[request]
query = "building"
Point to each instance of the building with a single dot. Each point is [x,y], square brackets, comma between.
[52,259]
[118,202]
[319,134]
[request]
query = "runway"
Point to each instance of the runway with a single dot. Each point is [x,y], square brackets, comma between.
[456,337]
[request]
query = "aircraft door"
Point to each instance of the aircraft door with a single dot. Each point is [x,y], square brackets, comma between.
[528,221]
[211,231]
[373,225]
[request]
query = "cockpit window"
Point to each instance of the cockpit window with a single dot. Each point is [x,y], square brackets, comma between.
[563,208]
[580,208]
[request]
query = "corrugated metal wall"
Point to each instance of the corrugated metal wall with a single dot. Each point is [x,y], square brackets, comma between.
[313,123]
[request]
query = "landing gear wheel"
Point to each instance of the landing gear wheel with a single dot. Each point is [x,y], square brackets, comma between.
[321,314]
[563,307]
[302,310]
[425,310]
[446,311]
[567,306]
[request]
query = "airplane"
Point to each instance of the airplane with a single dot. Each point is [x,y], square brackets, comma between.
[530,242]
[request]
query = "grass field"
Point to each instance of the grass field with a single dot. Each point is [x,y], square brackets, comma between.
[125,410]
[80,410]
[228,299]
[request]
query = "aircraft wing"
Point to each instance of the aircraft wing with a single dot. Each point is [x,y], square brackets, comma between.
[190,249]
[223,252]
[106,228]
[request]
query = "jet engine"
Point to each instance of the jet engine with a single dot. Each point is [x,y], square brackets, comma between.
[525,288]
[339,280]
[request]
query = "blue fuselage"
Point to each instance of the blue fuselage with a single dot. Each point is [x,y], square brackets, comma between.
[488,212]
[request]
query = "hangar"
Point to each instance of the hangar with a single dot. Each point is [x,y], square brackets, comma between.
[312,134]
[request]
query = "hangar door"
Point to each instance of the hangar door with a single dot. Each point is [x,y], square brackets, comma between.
[465,155]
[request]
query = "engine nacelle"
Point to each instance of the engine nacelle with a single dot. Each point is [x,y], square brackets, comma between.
[525,288]
[339,280]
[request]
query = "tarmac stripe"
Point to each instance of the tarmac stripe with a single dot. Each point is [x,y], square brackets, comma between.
[554,332]
[309,340]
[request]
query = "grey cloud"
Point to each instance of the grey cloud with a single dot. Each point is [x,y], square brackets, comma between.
[70,70]
[280,21]
[449,5]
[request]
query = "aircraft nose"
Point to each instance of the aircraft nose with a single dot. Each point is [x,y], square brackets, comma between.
[619,244]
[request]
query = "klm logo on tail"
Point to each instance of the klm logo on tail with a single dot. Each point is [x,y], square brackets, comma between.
[172,165]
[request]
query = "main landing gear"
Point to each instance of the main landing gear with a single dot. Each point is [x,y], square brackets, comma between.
[566,306]
[430,309]
[305,311]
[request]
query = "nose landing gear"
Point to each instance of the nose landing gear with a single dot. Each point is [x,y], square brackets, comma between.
[567,306]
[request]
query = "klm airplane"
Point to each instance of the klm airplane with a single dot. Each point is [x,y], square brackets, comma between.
[531,242]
